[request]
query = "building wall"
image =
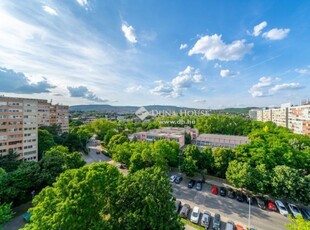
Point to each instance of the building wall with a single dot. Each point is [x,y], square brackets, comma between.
[217,140]
[18,127]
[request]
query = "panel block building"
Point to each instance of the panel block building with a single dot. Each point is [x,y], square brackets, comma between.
[19,122]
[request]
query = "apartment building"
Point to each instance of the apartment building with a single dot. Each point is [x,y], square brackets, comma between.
[19,122]
[49,114]
[168,133]
[295,118]
[19,127]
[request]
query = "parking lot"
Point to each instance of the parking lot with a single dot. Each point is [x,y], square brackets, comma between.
[229,209]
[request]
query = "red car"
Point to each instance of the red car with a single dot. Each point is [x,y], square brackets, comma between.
[239,227]
[214,190]
[271,206]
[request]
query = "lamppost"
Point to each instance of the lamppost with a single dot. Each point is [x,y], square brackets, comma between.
[249,224]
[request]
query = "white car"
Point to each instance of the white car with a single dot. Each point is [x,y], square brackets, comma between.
[195,215]
[295,211]
[282,209]
[172,178]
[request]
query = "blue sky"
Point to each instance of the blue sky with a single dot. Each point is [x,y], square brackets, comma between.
[204,54]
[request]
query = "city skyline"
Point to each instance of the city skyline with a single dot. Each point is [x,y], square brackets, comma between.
[204,55]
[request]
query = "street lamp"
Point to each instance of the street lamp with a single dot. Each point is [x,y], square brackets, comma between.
[249,224]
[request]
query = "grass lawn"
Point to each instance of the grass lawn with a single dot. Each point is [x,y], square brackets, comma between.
[187,222]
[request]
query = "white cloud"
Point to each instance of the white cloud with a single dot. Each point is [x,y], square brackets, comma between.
[183,46]
[266,87]
[133,88]
[50,10]
[258,89]
[217,65]
[284,86]
[303,71]
[228,73]
[83,3]
[276,34]
[258,28]
[129,33]
[213,48]
[183,81]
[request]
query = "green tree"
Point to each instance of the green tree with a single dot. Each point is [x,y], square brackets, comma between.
[9,162]
[108,136]
[57,160]
[146,202]
[285,182]
[222,157]
[239,174]
[117,140]
[297,224]
[122,153]
[189,166]
[81,198]
[6,214]
[45,142]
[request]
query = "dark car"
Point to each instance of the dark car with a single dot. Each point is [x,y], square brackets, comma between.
[199,185]
[223,191]
[260,203]
[305,213]
[178,180]
[185,210]
[239,197]
[231,193]
[217,222]
[191,183]
[177,206]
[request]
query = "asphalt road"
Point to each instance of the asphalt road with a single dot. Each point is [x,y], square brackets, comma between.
[229,209]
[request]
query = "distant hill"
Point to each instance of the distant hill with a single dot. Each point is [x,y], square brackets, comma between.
[235,110]
[123,109]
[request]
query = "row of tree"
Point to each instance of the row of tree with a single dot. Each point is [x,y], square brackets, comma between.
[99,197]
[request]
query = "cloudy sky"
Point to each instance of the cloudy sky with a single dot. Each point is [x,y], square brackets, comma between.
[204,54]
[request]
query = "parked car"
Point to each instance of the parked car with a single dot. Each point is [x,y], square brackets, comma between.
[231,193]
[191,183]
[177,206]
[293,208]
[305,213]
[239,227]
[97,152]
[178,179]
[230,225]
[199,185]
[214,190]
[206,219]
[239,197]
[172,178]
[217,222]
[260,203]
[184,211]
[282,209]
[271,206]
[223,191]
[195,215]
